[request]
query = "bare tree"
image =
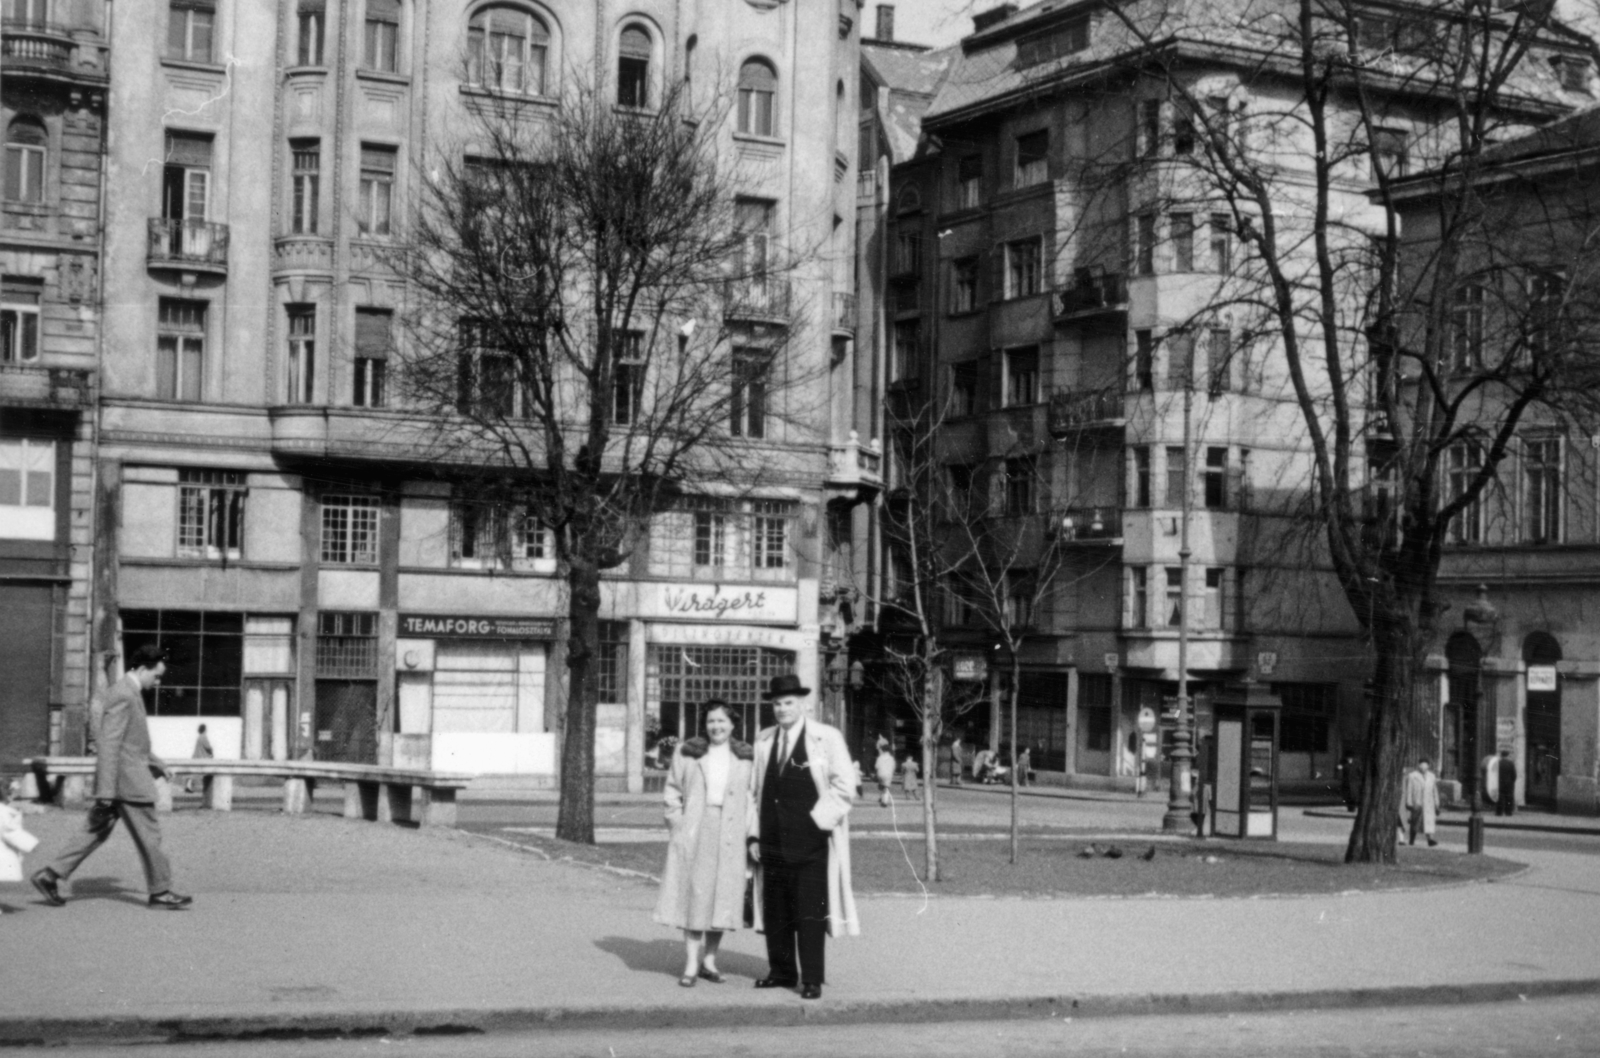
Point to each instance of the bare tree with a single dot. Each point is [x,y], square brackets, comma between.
[1394,354]
[594,331]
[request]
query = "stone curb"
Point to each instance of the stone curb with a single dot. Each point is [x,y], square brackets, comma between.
[24,1031]
[1489,823]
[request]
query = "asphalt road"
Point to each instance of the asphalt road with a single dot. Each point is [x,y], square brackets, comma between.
[1537,1029]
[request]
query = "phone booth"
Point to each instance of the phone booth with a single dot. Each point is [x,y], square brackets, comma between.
[1244,784]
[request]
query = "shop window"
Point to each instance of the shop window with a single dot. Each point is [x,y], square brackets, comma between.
[211,513]
[27,489]
[205,659]
[679,679]
[1308,709]
[1094,710]
[347,645]
[350,529]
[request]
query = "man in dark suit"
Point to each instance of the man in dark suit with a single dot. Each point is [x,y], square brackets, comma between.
[1506,803]
[805,783]
[124,787]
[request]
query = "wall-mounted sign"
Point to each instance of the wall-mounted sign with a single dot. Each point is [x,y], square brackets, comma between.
[724,603]
[455,626]
[1266,661]
[1112,661]
[970,667]
[1541,677]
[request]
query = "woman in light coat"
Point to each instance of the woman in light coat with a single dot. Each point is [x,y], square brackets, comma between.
[709,796]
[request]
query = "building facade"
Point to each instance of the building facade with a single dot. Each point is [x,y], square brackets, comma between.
[327,592]
[54,71]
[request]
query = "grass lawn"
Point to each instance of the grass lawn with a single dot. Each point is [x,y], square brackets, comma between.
[1055,867]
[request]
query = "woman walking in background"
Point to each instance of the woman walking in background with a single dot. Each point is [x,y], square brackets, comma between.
[708,795]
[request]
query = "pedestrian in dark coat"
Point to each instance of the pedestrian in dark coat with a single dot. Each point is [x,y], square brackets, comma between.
[1350,778]
[1506,804]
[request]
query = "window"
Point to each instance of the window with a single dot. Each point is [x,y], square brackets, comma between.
[709,536]
[312,20]
[1573,72]
[1066,39]
[964,500]
[1173,611]
[1183,137]
[27,489]
[1145,246]
[907,249]
[1181,226]
[1022,377]
[377,190]
[1147,132]
[963,389]
[711,532]
[1547,292]
[611,672]
[382,36]
[758,93]
[1144,360]
[1466,336]
[210,513]
[1019,589]
[507,50]
[1219,360]
[489,380]
[1180,360]
[1138,597]
[190,27]
[1463,462]
[1033,158]
[1023,268]
[1141,476]
[907,350]
[350,529]
[180,348]
[302,354]
[19,323]
[969,181]
[347,645]
[964,285]
[749,404]
[26,141]
[1177,475]
[1216,603]
[1541,475]
[487,535]
[372,357]
[627,376]
[205,663]
[753,219]
[1022,485]
[633,68]
[1221,243]
[306,158]
[1389,157]
[961,609]
[186,185]
[29,14]
[1216,481]
[770,520]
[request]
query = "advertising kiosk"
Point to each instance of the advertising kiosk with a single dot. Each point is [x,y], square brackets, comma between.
[1244,783]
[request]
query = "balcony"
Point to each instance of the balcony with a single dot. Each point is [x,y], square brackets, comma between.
[1092,301]
[29,47]
[844,315]
[1074,411]
[1101,526]
[188,245]
[316,433]
[36,386]
[763,298]
[855,470]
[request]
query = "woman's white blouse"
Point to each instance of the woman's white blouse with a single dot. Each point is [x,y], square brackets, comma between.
[718,762]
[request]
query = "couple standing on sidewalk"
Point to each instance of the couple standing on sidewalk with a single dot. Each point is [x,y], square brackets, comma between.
[778,810]
[124,787]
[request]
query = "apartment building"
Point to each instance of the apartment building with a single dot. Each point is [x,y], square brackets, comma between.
[54,72]
[1053,254]
[277,522]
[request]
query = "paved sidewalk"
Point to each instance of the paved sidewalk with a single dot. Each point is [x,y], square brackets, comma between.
[319,924]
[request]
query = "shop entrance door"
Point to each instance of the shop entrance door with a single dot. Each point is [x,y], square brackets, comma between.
[1544,748]
[25,622]
[347,721]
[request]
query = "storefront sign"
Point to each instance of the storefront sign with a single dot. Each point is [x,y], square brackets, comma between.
[973,667]
[723,603]
[449,626]
[1541,677]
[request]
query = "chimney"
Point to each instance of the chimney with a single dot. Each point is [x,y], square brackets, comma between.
[994,16]
[885,22]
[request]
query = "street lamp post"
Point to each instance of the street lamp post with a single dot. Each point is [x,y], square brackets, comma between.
[1177,818]
[1479,611]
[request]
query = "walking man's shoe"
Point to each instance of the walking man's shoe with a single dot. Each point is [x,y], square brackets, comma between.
[170,901]
[44,880]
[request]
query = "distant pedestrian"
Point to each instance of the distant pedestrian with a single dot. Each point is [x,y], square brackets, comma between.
[1421,802]
[1024,766]
[1350,779]
[908,777]
[981,764]
[955,761]
[883,770]
[202,751]
[124,788]
[710,799]
[1506,803]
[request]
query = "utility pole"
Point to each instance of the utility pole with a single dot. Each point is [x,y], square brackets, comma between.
[1177,818]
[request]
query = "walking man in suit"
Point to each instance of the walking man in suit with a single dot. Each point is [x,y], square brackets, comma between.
[124,788]
[800,840]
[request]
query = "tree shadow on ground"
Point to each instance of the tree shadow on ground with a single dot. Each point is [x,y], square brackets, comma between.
[666,957]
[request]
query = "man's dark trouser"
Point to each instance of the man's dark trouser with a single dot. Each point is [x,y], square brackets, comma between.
[1414,817]
[1507,804]
[794,899]
[142,826]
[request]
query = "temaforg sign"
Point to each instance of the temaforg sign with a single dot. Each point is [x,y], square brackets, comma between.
[458,626]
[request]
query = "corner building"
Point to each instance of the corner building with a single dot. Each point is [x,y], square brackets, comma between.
[326,593]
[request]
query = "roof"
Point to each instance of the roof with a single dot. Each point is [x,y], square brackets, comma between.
[1577,131]
[913,78]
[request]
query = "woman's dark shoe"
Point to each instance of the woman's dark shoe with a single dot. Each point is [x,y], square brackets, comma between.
[711,975]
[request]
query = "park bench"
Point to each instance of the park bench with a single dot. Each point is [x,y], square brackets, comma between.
[371,791]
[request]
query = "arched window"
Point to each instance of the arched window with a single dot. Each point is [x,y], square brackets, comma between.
[633,67]
[25,147]
[507,49]
[758,93]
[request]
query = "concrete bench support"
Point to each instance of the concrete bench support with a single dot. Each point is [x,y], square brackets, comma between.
[296,797]
[217,793]
[75,789]
[437,808]
[394,802]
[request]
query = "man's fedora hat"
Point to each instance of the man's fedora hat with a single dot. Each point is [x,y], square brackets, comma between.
[788,683]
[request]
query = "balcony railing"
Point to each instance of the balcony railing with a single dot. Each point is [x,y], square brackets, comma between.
[1091,525]
[189,244]
[39,45]
[757,297]
[855,469]
[844,312]
[33,384]
[1070,410]
[1091,297]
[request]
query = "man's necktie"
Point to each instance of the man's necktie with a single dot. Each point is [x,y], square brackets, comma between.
[783,750]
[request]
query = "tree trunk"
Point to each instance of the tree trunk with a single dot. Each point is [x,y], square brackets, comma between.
[1396,645]
[1016,678]
[930,765]
[575,819]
